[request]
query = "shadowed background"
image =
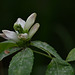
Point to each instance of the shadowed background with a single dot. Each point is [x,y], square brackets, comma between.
[57,26]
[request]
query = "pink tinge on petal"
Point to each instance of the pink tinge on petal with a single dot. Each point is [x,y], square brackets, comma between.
[4,36]
[30,21]
[34,29]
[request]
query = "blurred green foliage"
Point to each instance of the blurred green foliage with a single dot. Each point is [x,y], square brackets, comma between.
[57,20]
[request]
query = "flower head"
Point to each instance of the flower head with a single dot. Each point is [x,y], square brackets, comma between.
[23,30]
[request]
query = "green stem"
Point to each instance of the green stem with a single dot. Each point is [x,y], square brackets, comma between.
[43,54]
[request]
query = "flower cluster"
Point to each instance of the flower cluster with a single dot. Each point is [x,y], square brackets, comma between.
[23,30]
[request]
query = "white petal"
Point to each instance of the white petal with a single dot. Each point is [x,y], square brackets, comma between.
[30,20]
[3,35]
[11,35]
[21,22]
[23,36]
[33,30]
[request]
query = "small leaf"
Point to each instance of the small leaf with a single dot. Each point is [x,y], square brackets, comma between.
[71,55]
[6,45]
[55,68]
[21,63]
[45,47]
[8,52]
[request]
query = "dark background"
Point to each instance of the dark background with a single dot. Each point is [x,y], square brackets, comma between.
[57,26]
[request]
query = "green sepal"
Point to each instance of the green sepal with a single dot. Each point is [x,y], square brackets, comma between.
[18,28]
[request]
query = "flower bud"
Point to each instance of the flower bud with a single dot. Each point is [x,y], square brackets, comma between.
[18,28]
[30,21]
[21,22]
[33,30]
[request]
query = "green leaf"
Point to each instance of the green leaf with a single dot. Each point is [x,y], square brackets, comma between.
[45,47]
[21,63]
[8,52]
[8,41]
[55,68]
[71,55]
[73,65]
[6,45]
[48,49]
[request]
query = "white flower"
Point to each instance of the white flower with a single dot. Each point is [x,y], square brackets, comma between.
[23,29]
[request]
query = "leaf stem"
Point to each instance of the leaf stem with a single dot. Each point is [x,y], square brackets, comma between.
[43,54]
